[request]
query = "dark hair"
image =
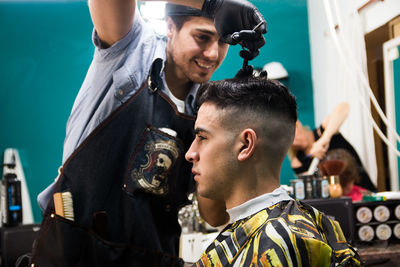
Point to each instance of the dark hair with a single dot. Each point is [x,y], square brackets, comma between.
[251,93]
[180,13]
[179,21]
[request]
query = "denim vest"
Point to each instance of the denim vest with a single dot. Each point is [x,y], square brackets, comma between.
[128,180]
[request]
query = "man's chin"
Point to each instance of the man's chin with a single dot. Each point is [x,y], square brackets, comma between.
[206,194]
[200,78]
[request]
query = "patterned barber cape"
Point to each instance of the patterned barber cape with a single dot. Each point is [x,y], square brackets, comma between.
[289,233]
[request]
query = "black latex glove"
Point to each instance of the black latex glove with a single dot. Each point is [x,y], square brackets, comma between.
[247,71]
[250,40]
[240,17]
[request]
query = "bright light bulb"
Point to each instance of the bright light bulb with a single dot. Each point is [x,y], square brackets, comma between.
[153,10]
[154,14]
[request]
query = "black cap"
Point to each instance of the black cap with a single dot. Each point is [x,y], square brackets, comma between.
[179,10]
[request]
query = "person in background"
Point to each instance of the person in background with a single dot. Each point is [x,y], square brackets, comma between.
[244,129]
[124,176]
[309,144]
[350,174]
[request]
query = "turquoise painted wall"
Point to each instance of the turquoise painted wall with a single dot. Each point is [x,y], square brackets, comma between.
[45,52]
[287,41]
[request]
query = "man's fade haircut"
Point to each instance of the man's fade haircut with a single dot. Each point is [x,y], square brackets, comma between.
[257,94]
[265,105]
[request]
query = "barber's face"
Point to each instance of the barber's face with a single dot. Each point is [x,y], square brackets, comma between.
[212,155]
[195,51]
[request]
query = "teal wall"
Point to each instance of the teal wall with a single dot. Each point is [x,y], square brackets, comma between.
[287,41]
[45,52]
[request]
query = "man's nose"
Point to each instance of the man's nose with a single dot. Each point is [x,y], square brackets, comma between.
[212,50]
[191,155]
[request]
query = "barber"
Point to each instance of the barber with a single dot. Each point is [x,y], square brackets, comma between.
[130,125]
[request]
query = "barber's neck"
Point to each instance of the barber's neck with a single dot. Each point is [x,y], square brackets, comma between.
[177,82]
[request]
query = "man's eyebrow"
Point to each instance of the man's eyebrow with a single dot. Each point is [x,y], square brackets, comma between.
[205,31]
[200,130]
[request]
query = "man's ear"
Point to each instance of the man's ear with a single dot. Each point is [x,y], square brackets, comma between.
[170,27]
[248,140]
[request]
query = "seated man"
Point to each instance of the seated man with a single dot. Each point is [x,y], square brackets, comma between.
[243,131]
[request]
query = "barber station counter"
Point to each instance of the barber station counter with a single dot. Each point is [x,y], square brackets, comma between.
[380,254]
[372,228]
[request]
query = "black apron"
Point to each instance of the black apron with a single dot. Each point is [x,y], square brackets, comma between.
[128,180]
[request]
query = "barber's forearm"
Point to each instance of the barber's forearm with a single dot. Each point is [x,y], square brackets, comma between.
[112,18]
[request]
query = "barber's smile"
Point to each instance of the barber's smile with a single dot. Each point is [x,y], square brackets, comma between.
[205,65]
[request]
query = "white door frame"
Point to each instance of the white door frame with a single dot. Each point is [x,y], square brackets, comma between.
[390,53]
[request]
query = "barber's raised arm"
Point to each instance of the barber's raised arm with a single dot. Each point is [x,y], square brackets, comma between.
[113,18]
[213,212]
